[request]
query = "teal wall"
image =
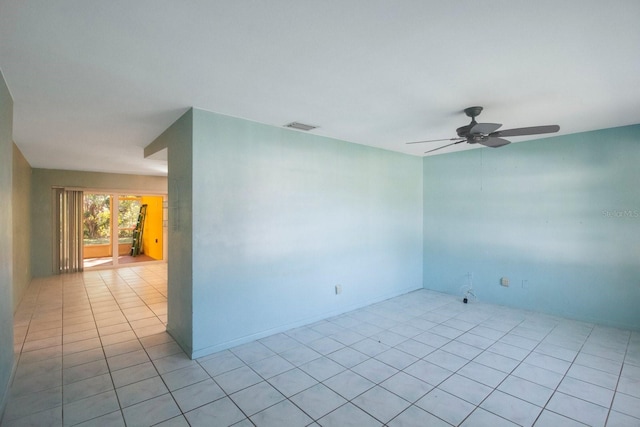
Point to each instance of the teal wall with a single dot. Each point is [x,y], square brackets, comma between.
[6,241]
[178,140]
[280,217]
[560,217]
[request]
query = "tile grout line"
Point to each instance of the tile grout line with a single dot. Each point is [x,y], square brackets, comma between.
[118,398]
[615,392]
[376,310]
[103,353]
[593,326]
[496,387]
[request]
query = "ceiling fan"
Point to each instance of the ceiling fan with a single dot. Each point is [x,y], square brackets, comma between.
[487,134]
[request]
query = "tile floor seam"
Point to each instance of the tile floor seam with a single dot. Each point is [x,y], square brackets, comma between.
[507,376]
[29,323]
[63,332]
[498,385]
[558,385]
[555,390]
[615,392]
[91,308]
[526,324]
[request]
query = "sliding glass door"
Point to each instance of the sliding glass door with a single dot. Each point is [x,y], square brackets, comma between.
[111,221]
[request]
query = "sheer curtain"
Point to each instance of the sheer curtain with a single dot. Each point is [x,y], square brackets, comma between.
[68,227]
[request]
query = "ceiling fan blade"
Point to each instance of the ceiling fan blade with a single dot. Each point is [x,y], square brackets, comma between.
[484,128]
[494,142]
[434,140]
[444,146]
[533,130]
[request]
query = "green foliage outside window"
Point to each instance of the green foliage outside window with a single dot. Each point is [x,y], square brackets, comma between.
[97,218]
[128,210]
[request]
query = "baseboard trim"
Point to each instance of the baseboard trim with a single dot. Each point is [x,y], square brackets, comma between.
[262,334]
[7,389]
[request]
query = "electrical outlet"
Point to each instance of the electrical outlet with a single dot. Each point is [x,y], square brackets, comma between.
[504,282]
[338,289]
[525,284]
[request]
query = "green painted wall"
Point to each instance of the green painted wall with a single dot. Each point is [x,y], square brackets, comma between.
[21,205]
[6,241]
[42,181]
[280,217]
[560,217]
[178,139]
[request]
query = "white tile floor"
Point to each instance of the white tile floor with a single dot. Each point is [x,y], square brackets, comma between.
[93,352]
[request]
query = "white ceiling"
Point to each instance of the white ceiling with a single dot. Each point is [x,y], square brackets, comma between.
[95,82]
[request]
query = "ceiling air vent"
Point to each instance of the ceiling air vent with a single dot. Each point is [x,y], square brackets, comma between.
[300,126]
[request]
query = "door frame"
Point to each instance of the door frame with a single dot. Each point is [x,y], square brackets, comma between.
[114,206]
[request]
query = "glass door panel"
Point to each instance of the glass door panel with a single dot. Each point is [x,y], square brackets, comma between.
[97,226]
[128,209]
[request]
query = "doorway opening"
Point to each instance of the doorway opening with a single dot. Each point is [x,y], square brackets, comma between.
[111,225]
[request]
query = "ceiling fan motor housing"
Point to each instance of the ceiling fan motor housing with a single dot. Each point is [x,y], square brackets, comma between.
[464,131]
[473,111]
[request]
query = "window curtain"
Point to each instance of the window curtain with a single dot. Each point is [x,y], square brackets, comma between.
[68,234]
